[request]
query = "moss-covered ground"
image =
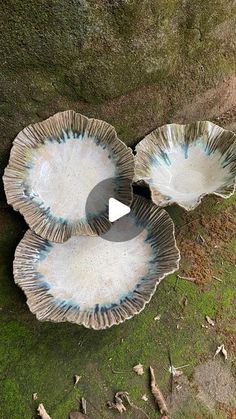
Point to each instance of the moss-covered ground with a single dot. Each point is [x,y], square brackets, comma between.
[44,357]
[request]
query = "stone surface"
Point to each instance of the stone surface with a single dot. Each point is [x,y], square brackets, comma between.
[135,64]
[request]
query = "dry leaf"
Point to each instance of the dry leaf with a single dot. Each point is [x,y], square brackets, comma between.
[42,412]
[138,369]
[77,379]
[210,321]
[176,372]
[35,396]
[218,350]
[221,349]
[224,352]
[158,394]
[158,317]
[144,398]
[118,403]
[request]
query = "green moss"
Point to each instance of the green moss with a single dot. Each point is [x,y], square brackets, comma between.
[13,400]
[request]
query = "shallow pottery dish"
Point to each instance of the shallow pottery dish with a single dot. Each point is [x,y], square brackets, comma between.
[102,283]
[55,164]
[182,163]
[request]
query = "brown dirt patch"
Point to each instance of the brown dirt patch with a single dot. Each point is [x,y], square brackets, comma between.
[204,240]
[215,383]
[230,412]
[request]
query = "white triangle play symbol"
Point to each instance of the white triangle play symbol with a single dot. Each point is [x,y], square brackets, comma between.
[116,210]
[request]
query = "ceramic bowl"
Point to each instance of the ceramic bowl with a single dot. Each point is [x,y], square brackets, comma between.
[182,163]
[102,283]
[55,164]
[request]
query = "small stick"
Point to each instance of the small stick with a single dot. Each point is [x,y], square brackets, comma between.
[187,278]
[218,279]
[158,394]
[120,372]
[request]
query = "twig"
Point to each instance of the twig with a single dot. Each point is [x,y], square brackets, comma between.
[187,278]
[217,279]
[120,372]
[158,395]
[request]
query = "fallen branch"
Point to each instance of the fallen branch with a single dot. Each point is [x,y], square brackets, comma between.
[158,396]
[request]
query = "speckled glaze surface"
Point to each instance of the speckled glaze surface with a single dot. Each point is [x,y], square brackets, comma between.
[182,163]
[102,283]
[55,164]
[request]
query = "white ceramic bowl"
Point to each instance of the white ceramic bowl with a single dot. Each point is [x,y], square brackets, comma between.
[56,163]
[182,163]
[91,281]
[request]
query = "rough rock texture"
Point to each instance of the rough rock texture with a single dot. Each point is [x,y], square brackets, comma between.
[136,64]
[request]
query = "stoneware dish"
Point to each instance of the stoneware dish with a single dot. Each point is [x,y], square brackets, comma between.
[182,163]
[55,164]
[102,283]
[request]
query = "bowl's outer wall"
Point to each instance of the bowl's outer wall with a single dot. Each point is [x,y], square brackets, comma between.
[137,65]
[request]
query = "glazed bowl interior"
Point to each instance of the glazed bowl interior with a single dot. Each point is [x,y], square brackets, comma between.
[182,163]
[56,163]
[102,282]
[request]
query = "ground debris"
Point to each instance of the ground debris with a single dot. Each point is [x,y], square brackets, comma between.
[158,396]
[198,257]
[158,317]
[77,379]
[83,405]
[138,369]
[221,349]
[144,398]
[42,412]
[217,279]
[187,278]
[119,398]
[35,396]
[175,372]
[210,321]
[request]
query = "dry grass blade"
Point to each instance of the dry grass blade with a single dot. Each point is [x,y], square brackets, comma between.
[42,412]
[158,394]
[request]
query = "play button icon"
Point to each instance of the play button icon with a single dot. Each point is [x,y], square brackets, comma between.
[116,210]
[113,199]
